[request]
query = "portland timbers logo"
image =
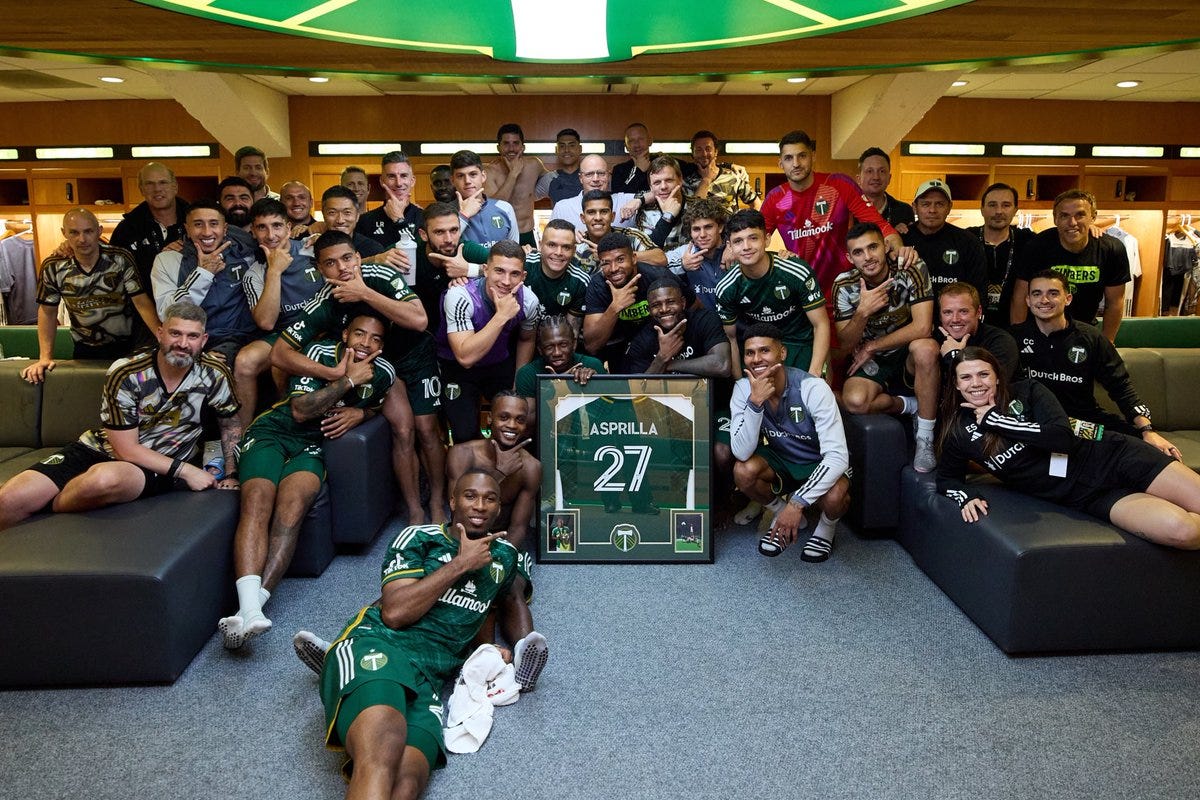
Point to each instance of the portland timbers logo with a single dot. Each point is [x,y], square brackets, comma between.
[625,537]
[497,221]
[564,297]
[497,570]
[1077,355]
[796,413]
[821,206]
[453,391]
[950,257]
[811,284]
[373,660]
[365,391]
[782,292]
[397,283]
[1016,407]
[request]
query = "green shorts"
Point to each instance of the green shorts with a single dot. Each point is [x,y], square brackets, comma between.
[416,364]
[788,476]
[268,453]
[886,370]
[369,670]
[799,354]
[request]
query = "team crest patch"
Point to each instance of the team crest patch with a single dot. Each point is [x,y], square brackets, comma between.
[950,257]
[497,221]
[397,283]
[365,391]
[782,292]
[810,284]
[373,660]
[564,297]
[625,537]
[1077,355]
[796,413]
[1016,407]
[497,570]
[453,391]
[821,206]
[57,458]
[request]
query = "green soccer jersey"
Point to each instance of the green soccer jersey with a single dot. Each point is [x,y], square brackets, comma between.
[526,380]
[621,446]
[440,641]
[561,295]
[782,297]
[278,418]
[324,316]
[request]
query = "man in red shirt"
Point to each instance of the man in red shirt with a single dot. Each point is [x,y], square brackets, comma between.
[814,210]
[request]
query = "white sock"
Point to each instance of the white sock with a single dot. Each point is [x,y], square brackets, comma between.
[249,605]
[925,426]
[776,505]
[263,597]
[910,404]
[826,528]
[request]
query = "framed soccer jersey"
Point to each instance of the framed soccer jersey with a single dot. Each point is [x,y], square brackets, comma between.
[625,475]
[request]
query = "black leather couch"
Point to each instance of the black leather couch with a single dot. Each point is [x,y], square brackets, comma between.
[1036,577]
[130,593]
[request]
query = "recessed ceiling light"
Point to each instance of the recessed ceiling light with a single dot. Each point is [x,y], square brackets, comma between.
[796,80]
[318,79]
[959,83]
[111,79]
[1128,84]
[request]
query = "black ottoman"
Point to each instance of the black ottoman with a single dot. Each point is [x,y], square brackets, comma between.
[126,594]
[1036,577]
[878,451]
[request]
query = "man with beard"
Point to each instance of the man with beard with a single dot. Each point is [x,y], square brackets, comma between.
[445,257]
[150,427]
[553,275]
[235,197]
[282,464]
[556,345]
[252,167]
[381,689]
[727,184]
[615,306]
[689,341]
[1002,243]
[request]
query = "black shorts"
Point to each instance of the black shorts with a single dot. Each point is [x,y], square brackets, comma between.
[77,458]
[1117,466]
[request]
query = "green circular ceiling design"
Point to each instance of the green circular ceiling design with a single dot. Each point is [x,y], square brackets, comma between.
[559,31]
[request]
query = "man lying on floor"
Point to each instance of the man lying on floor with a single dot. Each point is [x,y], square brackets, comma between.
[381,687]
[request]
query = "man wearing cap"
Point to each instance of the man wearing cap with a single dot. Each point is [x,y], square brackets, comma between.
[950,253]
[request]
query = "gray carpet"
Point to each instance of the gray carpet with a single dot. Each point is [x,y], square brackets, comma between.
[744,679]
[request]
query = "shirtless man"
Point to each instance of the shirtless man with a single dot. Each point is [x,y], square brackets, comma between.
[514,176]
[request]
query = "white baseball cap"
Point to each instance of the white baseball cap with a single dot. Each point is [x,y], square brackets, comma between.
[930,185]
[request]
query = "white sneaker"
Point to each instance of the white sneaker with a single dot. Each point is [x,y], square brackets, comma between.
[748,514]
[310,649]
[529,657]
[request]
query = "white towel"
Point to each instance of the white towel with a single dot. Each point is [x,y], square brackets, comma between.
[484,682]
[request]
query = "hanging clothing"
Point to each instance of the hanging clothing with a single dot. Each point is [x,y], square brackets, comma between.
[18,280]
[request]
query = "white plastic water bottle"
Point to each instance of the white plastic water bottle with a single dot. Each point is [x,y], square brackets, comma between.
[408,246]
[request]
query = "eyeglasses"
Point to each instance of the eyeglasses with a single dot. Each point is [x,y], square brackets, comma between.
[595,173]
